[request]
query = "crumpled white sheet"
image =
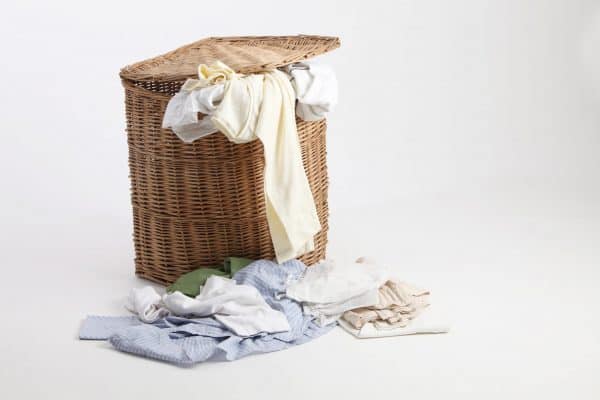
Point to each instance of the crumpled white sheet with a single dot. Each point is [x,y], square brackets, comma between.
[241,308]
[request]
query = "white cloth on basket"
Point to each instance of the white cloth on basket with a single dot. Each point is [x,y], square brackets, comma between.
[316,89]
[182,111]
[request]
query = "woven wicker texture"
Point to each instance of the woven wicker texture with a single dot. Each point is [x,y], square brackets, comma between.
[244,54]
[195,204]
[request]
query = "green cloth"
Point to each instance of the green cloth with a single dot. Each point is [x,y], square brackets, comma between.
[234,264]
[189,284]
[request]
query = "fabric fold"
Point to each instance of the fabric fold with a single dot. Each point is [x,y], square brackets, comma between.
[262,106]
[328,289]
[316,89]
[241,308]
[181,114]
[330,281]
[398,303]
[429,321]
[146,304]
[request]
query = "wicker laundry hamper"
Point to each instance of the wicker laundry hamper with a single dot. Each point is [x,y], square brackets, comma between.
[195,204]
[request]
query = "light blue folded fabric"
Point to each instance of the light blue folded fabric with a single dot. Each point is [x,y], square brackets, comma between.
[96,327]
[186,341]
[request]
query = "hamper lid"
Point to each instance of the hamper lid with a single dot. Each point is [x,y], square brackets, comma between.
[245,54]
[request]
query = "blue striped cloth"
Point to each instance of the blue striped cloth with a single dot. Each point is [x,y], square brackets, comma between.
[186,341]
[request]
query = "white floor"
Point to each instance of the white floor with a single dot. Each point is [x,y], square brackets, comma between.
[519,274]
[464,153]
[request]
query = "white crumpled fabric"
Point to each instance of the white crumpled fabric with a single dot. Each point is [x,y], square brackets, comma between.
[182,111]
[316,89]
[328,289]
[201,95]
[146,304]
[241,308]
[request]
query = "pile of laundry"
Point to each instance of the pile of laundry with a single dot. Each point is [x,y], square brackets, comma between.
[246,307]
[365,299]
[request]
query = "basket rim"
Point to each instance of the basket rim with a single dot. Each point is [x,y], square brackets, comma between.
[268,52]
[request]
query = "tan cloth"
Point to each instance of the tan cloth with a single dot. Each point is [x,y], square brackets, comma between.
[398,304]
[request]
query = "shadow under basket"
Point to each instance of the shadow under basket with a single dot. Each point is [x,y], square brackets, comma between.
[196,204]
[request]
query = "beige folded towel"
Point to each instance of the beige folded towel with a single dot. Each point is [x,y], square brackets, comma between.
[398,304]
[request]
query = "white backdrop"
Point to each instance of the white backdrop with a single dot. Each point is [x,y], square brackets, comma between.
[465,152]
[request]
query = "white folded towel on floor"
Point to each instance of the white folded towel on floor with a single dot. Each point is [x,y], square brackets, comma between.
[239,307]
[316,89]
[326,313]
[328,289]
[330,281]
[146,304]
[429,321]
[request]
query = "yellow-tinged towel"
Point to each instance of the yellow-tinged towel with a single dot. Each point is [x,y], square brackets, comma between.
[262,106]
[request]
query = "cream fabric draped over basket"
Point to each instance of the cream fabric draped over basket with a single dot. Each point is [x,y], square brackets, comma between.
[195,204]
